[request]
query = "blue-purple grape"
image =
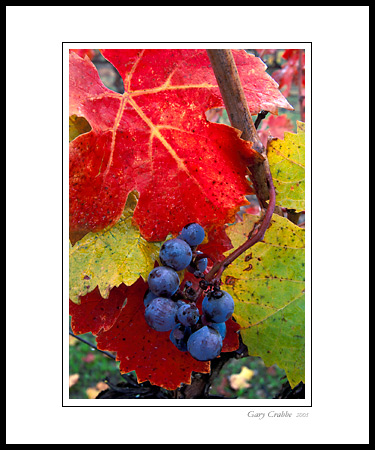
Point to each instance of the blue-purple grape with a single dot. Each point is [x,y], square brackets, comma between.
[148,297]
[202,264]
[220,327]
[175,253]
[218,306]
[179,336]
[160,314]
[163,281]
[205,344]
[193,234]
[188,314]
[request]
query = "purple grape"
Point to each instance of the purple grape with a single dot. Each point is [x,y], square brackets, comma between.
[148,297]
[218,306]
[193,234]
[163,281]
[188,314]
[179,336]
[160,314]
[205,344]
[175,253]
[202,264]
[220,327]
[180,303]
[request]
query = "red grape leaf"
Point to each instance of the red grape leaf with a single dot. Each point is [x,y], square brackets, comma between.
[123,329]
[217,244]
[150,353]
[90,53]
[155,139]
[274,127]
[231,341]
[95,313]
[288,73]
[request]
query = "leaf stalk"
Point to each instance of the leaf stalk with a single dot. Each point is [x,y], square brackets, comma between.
[217,270]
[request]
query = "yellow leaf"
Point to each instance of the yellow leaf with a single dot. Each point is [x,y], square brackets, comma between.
[102,386]
[111,257]
[240,380]
[287,164]
[92,392]
[72,341]
[73,379]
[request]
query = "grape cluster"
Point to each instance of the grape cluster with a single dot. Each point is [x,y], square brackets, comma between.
[170,308]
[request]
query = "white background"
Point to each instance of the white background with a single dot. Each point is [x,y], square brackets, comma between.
[340,234]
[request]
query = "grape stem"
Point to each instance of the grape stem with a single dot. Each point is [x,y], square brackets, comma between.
[92,345]
[217,270]
[231,89]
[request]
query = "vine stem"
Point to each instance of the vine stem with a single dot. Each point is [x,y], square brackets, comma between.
[218,269]
[231,90]
[92,345]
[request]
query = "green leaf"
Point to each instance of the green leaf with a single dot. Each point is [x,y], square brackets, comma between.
[287,163]
[111,257]
[267,283]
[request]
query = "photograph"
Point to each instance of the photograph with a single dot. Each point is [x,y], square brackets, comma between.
[187,223]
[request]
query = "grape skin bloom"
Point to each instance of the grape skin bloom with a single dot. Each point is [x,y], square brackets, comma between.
[193,234]
[220,327]
[175,253]
[202,264]
[188,315]
[160,314]
[205,344]
[179,336]
[149,296]
[218,309]
[163,281]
